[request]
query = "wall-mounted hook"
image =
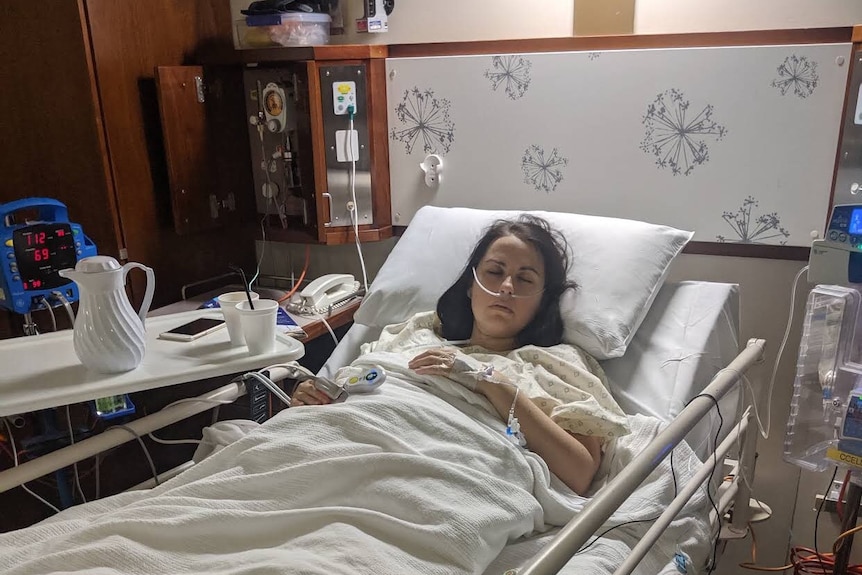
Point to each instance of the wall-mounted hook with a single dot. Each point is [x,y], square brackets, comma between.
[433,168]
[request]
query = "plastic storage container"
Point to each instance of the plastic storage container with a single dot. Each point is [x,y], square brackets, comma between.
[295,29]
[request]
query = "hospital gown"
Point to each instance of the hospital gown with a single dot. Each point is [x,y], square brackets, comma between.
[565,382]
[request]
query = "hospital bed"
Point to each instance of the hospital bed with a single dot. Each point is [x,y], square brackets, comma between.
[320,489]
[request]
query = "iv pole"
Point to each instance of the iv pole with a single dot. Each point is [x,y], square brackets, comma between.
[851,515]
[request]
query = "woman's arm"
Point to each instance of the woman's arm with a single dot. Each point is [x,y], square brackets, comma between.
[573,458]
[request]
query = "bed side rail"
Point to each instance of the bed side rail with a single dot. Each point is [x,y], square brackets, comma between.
[578,531]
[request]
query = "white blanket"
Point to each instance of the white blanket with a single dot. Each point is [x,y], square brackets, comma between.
[399,481]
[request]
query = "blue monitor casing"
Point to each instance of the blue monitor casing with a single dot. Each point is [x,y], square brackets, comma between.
[34,249]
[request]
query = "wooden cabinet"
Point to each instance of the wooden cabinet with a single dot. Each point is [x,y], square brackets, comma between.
[170,181]
[302,182]
[81,123]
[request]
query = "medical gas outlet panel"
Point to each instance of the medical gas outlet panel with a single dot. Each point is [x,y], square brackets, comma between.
[37,240]
[280,138]
[312,152]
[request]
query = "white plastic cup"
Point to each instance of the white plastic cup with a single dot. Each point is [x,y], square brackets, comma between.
[227,302]
[258,325]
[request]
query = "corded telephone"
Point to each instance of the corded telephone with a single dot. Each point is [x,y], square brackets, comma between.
[324,294]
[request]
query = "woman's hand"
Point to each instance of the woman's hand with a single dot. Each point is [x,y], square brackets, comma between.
[436,361]
[306,394]
[449,363]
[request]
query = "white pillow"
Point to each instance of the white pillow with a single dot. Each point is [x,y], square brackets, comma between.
[619,266]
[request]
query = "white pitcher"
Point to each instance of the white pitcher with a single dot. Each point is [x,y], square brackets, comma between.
[109,336]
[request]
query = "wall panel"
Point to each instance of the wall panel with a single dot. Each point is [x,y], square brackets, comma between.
[736,143]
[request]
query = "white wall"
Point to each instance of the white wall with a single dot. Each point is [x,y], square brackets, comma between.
[415,21]
[671,16]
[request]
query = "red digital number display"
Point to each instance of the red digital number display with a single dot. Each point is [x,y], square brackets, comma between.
[36,239]
[41,250]
[40,255]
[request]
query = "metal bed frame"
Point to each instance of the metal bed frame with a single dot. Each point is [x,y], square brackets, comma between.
[735,493]
[731,494]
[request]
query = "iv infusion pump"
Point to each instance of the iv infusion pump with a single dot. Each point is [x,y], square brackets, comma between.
[34,250]
[825,424]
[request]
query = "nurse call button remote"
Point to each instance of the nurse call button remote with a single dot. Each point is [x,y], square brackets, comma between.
[369,380]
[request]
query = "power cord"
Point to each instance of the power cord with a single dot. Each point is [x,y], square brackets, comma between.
[74,465]
[15,461]
[714,467]
[217,402]
[632,522]
[144,447]
[765,433]
[50,312]
[270,385]
[330,330]
[817,519]
[804,560]
[353,208]
[66,305]
[298,282]
[263,239]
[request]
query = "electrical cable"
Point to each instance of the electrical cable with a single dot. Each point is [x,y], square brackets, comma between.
[714,467]
[839,541]
[74,465]
[817,518]
[650,520]
[144,447]
[741,467]
[15,461]
[839,505]
[298,283]
[780,352]
[354,207]
[51,313]
[6,450]
[270,385]
[329,328]
[174,441]
[66,305]
[218,403]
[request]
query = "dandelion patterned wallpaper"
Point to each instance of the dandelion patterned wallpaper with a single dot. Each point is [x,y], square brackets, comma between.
[735,143]
[676,135]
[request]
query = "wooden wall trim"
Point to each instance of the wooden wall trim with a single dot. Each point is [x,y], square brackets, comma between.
[228,55]
[764,251]
[110,180]
[857,33]
[628,42]
[315,111]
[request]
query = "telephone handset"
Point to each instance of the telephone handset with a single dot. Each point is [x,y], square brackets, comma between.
[324,294]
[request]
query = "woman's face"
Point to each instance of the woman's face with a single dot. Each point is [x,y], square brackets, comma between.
[510,267]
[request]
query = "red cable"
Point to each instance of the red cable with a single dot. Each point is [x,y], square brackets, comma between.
[301,276]
[7,451]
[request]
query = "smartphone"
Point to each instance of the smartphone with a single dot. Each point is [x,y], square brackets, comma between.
[193,330]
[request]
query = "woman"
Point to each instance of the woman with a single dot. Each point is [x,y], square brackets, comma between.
[507,303]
